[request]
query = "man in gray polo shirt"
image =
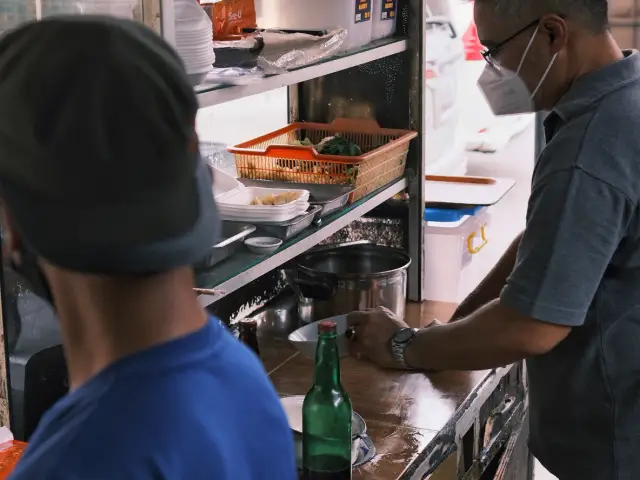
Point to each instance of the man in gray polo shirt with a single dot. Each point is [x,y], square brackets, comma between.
[566,296]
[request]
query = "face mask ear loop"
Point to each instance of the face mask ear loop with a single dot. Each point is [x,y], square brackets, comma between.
[526,50]
[544,75]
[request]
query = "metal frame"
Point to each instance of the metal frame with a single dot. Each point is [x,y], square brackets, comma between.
[245,277]
[417,113]
[361,80]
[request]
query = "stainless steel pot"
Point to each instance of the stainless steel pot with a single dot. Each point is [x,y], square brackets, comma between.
[338,279]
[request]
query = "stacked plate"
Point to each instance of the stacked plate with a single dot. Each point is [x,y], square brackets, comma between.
[238,203]
[194,39]
[237,206]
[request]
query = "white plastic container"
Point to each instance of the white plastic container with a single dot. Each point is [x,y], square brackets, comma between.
[352,15]
[383,16]
[450,248]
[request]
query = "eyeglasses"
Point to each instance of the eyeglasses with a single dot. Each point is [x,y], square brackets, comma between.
[489,54]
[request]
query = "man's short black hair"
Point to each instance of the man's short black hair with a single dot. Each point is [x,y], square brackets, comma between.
[593,14]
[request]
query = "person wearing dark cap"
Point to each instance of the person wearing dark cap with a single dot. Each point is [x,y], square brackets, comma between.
[106,204]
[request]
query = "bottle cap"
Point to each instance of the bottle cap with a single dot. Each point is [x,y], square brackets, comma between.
[249,322]
[327,326]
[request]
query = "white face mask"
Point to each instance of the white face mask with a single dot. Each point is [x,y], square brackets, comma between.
[505,92]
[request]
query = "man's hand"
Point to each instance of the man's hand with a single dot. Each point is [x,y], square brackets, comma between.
[373,331]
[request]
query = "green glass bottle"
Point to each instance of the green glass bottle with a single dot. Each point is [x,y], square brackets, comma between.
[326,415]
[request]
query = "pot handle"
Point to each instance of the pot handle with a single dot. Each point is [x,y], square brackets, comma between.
[315,289]
[307,288]
[333,246]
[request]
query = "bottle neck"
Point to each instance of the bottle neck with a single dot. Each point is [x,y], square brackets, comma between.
[327,371]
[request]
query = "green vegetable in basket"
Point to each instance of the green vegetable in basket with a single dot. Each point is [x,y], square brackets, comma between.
[304,143]
[352,173]
[338,146]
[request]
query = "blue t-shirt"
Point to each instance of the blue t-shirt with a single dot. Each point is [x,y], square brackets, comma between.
[197,408]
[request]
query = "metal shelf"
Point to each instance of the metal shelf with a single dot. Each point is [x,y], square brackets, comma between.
[245,267]
[209,95]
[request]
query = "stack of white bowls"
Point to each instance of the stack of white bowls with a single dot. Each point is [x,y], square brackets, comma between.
[194,39]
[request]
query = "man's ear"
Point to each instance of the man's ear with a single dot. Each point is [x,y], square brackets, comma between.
[557,30]
[11,240]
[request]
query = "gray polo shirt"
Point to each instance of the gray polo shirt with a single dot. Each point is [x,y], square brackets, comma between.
[579,265]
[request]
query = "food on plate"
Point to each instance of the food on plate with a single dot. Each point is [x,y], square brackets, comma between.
[276,199]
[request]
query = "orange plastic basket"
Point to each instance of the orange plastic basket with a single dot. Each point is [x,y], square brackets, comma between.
[273,157]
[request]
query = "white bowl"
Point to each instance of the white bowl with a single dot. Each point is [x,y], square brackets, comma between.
[305,339]
[293,409]
[263,245]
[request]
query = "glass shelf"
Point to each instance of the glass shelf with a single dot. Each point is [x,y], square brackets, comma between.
[209,95]
[244,267]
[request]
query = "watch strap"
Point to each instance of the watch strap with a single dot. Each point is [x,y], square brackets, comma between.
[398,347]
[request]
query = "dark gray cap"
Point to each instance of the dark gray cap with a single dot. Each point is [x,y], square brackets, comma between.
[99,161]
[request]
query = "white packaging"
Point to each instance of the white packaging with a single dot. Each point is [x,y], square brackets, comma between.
[449,251]
[352,15]
[384,15]
[233,200]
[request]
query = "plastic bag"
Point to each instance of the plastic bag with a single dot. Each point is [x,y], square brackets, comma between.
[283,51]
[231,16]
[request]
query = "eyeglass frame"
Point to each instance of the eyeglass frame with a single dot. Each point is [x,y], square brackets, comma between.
[488,53]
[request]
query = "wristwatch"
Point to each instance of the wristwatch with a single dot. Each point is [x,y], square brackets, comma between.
[399,343]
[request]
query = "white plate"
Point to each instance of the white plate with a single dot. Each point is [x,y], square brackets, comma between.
[261,215]
[195,47]
[195,35]
[249,219]
[293,409]
[264,209]
[198,64]
[199,70]
[305,339]
[191,37]
[201,58]
[199,51]
[198,46]
[256,218]
[243,197]
[203,37]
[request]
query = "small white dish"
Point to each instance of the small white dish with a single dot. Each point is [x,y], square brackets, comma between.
[305,339]
[263,245]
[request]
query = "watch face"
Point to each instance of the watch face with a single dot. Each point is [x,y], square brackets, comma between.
[404,335]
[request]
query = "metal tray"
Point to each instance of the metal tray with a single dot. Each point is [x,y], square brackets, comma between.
[232,235]
[329,197]
[290,228]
